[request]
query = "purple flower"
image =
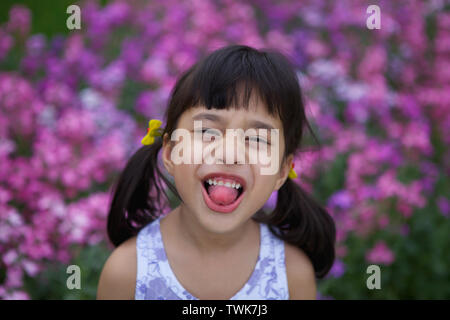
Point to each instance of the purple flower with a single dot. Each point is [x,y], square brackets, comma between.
[323,297]
[272,201]
[36,44]
[338,269]
[444,206]
[341,199]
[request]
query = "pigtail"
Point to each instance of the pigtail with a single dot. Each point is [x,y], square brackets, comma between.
[303,222]
[137,194]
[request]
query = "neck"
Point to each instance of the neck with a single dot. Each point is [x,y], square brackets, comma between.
[209,243]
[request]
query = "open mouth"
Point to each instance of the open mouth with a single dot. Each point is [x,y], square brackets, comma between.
[223,193]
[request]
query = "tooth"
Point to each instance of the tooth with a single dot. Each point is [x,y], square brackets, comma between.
[220,183]
[215,182]
[233,184]
[210,181]
[227,184]
[238,186]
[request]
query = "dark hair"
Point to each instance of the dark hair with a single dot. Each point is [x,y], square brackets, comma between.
[213,82]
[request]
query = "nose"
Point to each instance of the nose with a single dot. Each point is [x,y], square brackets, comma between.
[233,151]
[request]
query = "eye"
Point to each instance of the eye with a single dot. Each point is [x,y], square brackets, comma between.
[209,132]
[258,139]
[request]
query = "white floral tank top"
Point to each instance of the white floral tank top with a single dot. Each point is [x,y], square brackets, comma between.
[155,279]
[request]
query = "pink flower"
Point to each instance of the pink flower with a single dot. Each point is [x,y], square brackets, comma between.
[19,19]
[380,253]
[405,209]
[6,42]
[18,295]
[30,267]
[10,257]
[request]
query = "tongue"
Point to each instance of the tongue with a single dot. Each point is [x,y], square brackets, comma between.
[222,195]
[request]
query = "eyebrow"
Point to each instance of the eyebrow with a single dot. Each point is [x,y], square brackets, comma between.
[260,125]
[257,124]
[208,116]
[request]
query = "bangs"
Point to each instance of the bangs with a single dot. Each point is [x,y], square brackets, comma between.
[229,77]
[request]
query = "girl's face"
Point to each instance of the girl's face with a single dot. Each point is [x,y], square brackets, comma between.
[225,194]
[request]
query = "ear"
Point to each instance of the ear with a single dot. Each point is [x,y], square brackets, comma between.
[284,172]
[166,151]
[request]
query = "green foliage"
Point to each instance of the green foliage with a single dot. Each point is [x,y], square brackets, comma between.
[421,269]
[331,178]
[408,173]
[49,17]
[51,283]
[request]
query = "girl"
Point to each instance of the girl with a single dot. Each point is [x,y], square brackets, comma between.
[218,243]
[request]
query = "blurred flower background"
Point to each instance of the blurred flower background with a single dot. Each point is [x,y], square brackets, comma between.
[74,105]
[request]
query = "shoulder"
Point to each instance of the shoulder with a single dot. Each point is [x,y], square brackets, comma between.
[300,273]
[118,277]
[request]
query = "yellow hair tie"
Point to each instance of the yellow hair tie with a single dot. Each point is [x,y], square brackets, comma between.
[292,173]
[152,132]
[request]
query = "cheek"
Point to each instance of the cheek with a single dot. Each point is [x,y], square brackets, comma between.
[185,179]
[268,160]
[263,188]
